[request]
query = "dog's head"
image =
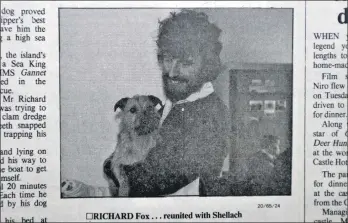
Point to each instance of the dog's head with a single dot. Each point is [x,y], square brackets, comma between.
[140,114]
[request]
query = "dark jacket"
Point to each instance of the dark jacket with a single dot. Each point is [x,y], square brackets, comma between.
[194,144]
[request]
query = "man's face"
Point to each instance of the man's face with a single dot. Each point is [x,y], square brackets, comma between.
[181,76]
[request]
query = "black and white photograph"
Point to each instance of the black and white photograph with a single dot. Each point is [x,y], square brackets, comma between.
[157,102]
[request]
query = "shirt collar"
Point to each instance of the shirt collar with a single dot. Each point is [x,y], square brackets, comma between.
[205,90]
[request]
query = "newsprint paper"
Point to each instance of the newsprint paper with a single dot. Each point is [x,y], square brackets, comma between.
[174,111]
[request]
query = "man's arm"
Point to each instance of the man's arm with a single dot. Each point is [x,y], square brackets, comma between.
[172,164]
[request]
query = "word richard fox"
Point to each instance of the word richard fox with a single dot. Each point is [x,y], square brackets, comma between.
[114,216]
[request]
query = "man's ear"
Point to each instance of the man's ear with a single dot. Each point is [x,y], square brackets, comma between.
[157,103]
[121,104]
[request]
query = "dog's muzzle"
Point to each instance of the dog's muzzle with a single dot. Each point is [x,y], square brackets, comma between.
[143,130]
[147,126]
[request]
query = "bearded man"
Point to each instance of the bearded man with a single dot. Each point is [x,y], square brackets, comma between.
[189,157]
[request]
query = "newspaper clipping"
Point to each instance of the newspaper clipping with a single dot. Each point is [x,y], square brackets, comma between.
[174,111]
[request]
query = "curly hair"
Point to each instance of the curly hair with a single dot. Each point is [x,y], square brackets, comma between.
[190,33]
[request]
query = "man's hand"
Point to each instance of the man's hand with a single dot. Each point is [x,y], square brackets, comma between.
[75,188]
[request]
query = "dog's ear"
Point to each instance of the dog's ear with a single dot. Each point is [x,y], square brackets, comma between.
[156,101]
[121,104]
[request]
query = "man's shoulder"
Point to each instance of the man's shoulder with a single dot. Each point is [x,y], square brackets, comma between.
[211,104]
[209,110]
[215,107]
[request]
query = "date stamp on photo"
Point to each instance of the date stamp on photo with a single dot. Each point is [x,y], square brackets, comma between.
[268,206]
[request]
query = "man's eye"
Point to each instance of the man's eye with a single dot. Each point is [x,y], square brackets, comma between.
[133,110]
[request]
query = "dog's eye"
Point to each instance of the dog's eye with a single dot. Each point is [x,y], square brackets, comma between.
[133,110]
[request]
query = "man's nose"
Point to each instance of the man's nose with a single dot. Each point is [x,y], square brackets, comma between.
[175,69]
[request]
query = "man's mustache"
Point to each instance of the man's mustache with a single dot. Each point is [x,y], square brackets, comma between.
[167,78]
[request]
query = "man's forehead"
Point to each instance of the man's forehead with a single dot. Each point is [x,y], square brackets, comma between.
[180,52]
[180,44]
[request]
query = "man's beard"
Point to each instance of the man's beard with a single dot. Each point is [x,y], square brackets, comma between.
[178,88]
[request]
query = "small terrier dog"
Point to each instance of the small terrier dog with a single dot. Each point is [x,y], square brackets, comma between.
[140,117]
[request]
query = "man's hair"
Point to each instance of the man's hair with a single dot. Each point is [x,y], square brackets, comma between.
[188,33]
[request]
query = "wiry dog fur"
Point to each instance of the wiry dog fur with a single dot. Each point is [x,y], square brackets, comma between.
[140,117]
